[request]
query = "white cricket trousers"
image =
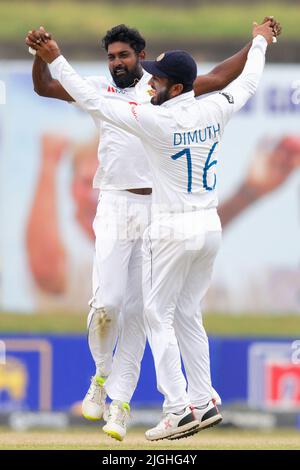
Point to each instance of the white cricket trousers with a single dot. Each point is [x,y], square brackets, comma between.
[179,254]
[117,303]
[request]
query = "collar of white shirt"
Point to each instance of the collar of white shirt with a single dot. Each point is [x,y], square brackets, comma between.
[184,97]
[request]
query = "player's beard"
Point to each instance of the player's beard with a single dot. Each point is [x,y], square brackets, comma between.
[161,96]
[130,77]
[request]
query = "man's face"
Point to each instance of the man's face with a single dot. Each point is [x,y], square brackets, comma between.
[123,63]
[163,90]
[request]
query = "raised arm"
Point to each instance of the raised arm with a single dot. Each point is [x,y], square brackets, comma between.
[246,84]
[223,74]
[234,97]
[44,84]
[228,70]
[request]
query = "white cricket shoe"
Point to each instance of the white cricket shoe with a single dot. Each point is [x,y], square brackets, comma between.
[174,425]
[118,416]
[93,405]
[208,415]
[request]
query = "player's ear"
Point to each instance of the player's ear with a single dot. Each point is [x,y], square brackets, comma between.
[176,89]
[142,55]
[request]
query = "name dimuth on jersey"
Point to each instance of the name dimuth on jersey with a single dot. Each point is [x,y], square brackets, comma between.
[196,136]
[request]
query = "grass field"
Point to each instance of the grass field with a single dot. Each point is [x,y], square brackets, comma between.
[214,439]
[76,21]
[228,325]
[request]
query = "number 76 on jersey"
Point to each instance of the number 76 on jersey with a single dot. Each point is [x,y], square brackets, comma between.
[208,165]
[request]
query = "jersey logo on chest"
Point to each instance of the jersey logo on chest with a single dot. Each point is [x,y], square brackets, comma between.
[112,89]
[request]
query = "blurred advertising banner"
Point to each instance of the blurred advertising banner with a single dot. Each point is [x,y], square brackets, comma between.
[47,204]
[38,371]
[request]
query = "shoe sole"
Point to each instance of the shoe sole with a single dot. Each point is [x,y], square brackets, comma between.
[209,423]
[189,429]
[114,435]
[91,418]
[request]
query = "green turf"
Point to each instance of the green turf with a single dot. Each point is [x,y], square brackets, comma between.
[76,21]
[253,325]
[46,323]
[213,439]
[231,325]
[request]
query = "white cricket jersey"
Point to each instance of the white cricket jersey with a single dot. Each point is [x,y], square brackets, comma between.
[122,160]
[181,137]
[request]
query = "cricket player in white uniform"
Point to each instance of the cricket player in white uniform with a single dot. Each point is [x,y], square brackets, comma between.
[98,317]
[182,141]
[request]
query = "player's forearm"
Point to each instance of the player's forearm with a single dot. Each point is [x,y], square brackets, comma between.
[236,204]
[44,84]
[223,74]
[41,76]
[246,85]
[231,68]
[45,250]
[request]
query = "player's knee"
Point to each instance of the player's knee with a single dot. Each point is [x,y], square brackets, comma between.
[109,303]
[111,311]
[90,316]
[104,314]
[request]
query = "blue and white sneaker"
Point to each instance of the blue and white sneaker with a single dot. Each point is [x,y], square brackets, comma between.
[208,415]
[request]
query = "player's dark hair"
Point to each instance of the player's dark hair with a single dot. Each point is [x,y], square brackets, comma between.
[122,33]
